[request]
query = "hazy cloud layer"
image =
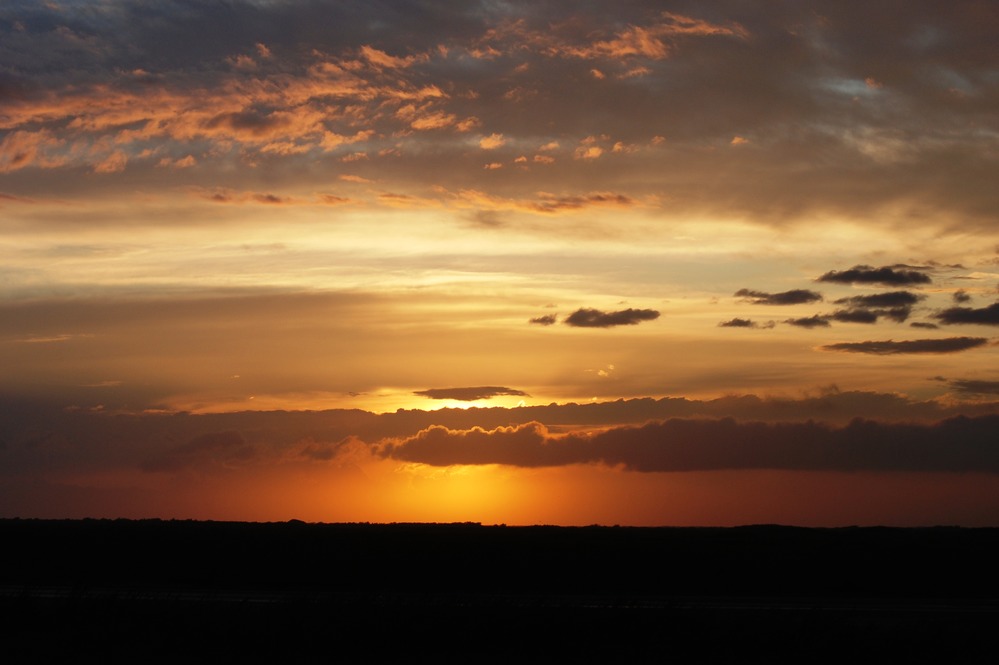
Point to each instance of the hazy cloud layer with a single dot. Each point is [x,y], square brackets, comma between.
[594,318]
[469,394]
[40,439]
[890,347]
[893,276]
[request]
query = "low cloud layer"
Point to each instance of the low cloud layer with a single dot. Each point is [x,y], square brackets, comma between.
[594,318]
[960,444]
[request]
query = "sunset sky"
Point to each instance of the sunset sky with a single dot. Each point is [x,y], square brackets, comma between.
[625,262]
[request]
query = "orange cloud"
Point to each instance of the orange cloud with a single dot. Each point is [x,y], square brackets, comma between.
[383,59]
[588,152]
[491,142]
[437,120]
[113,163]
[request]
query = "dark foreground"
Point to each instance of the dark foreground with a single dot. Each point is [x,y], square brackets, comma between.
[293,592]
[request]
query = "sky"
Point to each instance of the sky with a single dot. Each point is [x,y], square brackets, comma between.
[628,262]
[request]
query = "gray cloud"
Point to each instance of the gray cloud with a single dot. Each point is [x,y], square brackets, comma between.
[469,394]
[546,320]
[594,318]
[924,324]
[793,297]
[988,316]
[890,275]
[890,347]
[961,296]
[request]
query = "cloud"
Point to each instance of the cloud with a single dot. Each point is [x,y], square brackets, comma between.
[214,449]
[549,203]
[809,322]
[793,297]
[890,347]
[863,274]
[491,142]
[961,296]
[677,445]
[546,320]
[469,394]
[744,323]
[891,299]
[924,325]
[987,316]
[976,387]
[854,316]
[593,318]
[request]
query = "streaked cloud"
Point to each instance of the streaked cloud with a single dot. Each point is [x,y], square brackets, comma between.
[891,347]
[470,394]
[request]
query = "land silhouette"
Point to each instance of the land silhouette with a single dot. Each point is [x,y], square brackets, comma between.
[473,593]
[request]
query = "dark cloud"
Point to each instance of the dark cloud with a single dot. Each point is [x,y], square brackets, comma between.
[546,320]
[924,324]
[976,387]
[854,316]
[889,347]
[958,444]
[961,296]
[741,323]
[890,275]
[898,314]
[594,318]
[793,297]
[988,316]
[879,300]
[469,394]
[809,322]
